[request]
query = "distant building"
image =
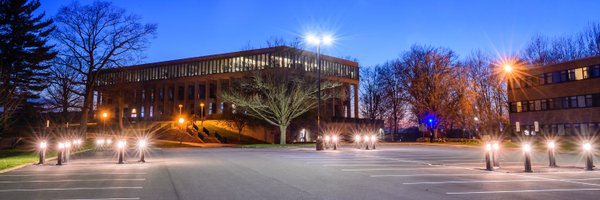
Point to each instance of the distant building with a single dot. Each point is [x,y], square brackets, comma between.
[155,91]
[560,99]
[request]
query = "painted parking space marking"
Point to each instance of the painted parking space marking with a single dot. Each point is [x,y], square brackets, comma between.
[396,169]
[86,174]
[418,175]
[118,198]
[70,180]
[495,181]
[68,189]
[525,191]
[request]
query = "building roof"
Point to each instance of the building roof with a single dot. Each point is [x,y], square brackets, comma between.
[234,54]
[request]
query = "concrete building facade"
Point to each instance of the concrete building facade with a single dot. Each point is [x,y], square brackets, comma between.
[560,99]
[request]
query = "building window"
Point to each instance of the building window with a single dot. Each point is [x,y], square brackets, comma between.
[171,93]
[544,104]
[581,101]
[180,91]
[573,103]
[191,90]
[519,107]
[565,102]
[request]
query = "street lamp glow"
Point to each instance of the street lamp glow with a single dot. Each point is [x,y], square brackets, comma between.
[61,145]
[68,144]
[587,146]
[373,138]
[121,144]
[496,146]
[526,147]
[335,138]
[317,41]
[476,118]
[104,115]
[357,138]
[108,141]
[142,144]
[327,138]
[508,68]
[327,39]
[181,120]
[312,39]
[488,147]
[43,145]
[99,141]
[551,145]
[366,138]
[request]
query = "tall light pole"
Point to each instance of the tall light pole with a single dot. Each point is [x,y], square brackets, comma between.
[201,113]
[317,41]
[180,107]
[104,116]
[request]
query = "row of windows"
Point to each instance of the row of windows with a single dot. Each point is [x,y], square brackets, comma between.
[235,64]
[572,129]
[576,74]
[581,101]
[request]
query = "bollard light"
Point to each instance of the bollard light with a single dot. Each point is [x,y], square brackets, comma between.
[527,151]
[67,152]
[357,141]
[43,145]
[59,159]
[551,154]
[100,142]
[373,140]
[108,141]
[488,159]
[121,150]
[366,138]
[142,145]
[495,154]
[335,141]
[589,157]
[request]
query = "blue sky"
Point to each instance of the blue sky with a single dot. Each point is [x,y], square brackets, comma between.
[371,31]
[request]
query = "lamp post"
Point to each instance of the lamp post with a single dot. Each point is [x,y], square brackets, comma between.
[335,141]
[552,154]
[488,159]
[42,153]
[121,150]
[180,107]
[317,41]
[366,138]
[202,114]
[357,141]
[327,140]
[496,154]
[67,152]
[104,116]
[373,140]
[527,152]
[59,158]
[589,159]
[142,145]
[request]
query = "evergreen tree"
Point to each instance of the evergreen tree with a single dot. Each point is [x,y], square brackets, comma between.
[24,58]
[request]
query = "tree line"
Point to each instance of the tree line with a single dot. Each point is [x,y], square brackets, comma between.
[432,88]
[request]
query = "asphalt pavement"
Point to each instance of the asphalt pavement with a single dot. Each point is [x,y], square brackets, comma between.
[389,172]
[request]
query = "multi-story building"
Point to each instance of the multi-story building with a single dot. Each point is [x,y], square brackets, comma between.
[161,91]
[560,99]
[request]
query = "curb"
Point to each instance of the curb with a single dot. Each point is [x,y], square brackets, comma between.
[34,162]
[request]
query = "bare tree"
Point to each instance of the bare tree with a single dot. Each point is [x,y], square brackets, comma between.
[542,50]
[63,93]
[278,97]
[428,76]
[371,93]
[393,93]
[96,37]
[237,120]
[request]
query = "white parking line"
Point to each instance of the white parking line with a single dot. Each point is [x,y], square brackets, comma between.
[72,180]
[373,165]
[397,169]
[124,198]
[497,181]
[74,174]
[414,175]
[68,189]
[523,191]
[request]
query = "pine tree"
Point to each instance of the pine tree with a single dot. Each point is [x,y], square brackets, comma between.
[24,58]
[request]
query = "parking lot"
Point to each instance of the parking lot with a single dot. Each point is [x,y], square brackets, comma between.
[395,171]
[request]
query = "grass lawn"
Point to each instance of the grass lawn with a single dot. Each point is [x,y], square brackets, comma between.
[166,144]
[276,145]
[14,157]
[232,136]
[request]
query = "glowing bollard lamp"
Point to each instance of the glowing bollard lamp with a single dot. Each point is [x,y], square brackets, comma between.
[527,152]
[334,139]
[488,158]
[43,146]
[142,145]
[589,158]
[357,141]
[59,159]
[121,150]
[366,138]
[373,141]
[67,152]
[496,154]
[552,154]
[327,141]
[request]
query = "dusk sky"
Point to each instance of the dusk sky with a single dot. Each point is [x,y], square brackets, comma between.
[371,31]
